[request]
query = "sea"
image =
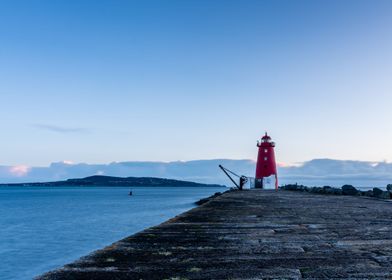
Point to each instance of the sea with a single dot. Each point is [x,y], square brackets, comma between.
[43,228]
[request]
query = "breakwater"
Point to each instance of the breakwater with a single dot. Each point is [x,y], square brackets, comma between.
[254,234]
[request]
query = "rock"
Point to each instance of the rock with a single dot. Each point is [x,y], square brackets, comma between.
[288,187]
[337,191]
[328,190]
[312,189]
[316,190]
[379,193]
[389,189]
[368,193]
[349,190]
[320,190]
[294,187]
[386,195]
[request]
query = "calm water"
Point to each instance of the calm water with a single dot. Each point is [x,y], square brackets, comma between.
[44,228]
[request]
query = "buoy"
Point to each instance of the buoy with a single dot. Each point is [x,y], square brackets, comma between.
[130,193]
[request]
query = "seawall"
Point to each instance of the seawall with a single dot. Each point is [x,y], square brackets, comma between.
[254,234]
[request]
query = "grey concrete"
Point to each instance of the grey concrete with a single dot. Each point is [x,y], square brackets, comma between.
[254,235]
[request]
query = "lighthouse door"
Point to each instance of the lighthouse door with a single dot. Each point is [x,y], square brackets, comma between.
[269,182]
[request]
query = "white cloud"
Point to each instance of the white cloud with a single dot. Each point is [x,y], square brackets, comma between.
[60,129]
[19,170]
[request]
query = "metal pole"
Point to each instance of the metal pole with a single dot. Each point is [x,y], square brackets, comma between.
[224,170]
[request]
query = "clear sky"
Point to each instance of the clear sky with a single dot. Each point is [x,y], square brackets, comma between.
[101,81]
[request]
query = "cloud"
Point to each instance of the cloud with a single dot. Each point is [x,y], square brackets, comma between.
[285,164]
[19,170]
[61,129]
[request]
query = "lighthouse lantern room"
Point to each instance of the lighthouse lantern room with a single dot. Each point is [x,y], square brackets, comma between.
[266,165]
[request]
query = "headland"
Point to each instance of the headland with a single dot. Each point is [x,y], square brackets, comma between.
[111,181]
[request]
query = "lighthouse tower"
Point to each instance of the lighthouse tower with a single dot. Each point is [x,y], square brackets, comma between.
[266,165]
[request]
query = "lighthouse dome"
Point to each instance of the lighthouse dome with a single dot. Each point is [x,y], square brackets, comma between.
[266,138]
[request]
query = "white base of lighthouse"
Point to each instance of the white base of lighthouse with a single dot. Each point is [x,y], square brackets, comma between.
[269,182]
[266,183]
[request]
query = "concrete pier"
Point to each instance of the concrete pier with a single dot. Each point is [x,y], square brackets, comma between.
[254,234]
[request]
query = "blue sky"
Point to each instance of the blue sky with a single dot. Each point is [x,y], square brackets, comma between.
[102,81]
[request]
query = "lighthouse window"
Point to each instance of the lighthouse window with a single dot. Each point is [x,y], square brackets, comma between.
[265,158]
[265,150]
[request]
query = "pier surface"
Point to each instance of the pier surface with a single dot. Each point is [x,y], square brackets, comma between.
[254,234]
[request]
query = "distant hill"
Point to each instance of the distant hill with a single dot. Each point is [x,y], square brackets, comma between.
[111,181]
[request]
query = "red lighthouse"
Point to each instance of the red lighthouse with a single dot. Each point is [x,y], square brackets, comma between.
[266,165]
